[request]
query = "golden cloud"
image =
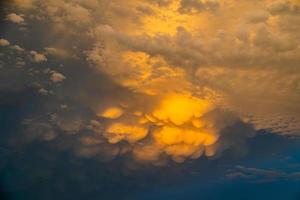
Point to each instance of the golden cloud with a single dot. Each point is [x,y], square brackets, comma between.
[180,60]
[173,126]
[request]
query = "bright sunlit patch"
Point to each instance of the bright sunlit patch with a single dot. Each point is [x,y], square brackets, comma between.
[112,113]
[181,143]
[173,127]
[179,109]
[169,135]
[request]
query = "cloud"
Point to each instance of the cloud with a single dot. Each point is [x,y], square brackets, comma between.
[38,57]
[190,6]
[57,77]
[43,91]
[160,2]
[4,42]
[167,74]
[258,16]
[25,3]
[62,53]
[14,18]
[145,10]
[17,48]
[280,7]
[112,113]
[259,175]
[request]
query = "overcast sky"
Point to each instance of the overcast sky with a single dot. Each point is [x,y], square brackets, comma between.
[150,99]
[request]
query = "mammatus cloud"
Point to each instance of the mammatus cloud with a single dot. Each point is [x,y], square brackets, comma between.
[174,127]
[186,66]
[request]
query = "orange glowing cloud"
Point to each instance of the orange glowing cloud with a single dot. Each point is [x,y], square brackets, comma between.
[173,127]
[179,109]
[112,113]
[120,131]
[178,62]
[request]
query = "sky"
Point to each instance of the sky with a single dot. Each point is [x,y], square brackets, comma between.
[150,99]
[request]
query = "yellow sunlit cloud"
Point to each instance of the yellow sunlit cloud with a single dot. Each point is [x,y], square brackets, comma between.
[179,109]
[175,63]
[173,127]
[120,131]
[112,113]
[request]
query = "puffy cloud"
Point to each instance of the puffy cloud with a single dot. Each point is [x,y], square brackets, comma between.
[17,48]
[43,91]
[179,109]
[131,133]
[112,113]
[174,126]
[4,42]
[57,77]
[14,18]
[38,57]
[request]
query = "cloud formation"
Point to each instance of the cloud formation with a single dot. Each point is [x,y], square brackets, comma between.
[258,175]
[181,69]
[14,18]
[4,42]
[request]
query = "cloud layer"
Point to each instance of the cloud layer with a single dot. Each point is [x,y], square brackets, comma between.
[183,78]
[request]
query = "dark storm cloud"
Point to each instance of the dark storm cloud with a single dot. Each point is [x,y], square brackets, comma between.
[63,64]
